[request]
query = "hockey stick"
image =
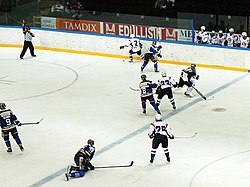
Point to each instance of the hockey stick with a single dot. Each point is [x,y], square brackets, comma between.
[134,89]
[199,93]
[187,137]
[32,123]
[118,166]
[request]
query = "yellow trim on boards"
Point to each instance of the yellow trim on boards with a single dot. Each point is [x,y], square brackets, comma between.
[125,57]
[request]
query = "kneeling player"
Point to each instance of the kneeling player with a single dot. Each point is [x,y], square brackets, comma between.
[82,159]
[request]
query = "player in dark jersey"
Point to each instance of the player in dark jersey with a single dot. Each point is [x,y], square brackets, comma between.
[146,87]
[8,121]
[152,53]
[188,77]
[82,160]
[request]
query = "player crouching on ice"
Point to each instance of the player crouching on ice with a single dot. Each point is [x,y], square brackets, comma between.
[82,159]
[188,77]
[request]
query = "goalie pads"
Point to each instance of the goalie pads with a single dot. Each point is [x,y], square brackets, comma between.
[122,47]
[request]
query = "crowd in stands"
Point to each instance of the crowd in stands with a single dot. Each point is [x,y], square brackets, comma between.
[69,6]
[223,39]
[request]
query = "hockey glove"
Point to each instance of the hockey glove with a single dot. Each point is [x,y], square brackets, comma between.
[171,137]
[122,47]
[159,48]
[140,45]
[91,167]
[151,136]
[197,77]
[159,55]
[18,123]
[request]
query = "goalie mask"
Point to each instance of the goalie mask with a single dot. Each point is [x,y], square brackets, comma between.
[91,142]
[2,106]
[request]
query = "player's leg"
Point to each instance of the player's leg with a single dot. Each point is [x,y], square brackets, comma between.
[146,60]
[143,104]
[171,97]
[155,145]
[130,55]
[25,47]
[139,53]
[159,97]
[164,143]
[75,174]
[152,102]
[15,135]
[5,135]
[189,89]
[31,47]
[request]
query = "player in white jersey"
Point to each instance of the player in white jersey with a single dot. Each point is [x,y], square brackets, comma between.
[200,35]
[244,40]
[160,131]
[165,84]
[135,46]
[230,38]
[221,38]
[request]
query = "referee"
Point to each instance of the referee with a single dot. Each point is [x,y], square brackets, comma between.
[27,41]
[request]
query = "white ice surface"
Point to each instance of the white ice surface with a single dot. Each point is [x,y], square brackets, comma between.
[82,97]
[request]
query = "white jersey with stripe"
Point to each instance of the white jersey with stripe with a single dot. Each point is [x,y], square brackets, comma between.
[160,127]
[134,43]
[166,82]
[28,36]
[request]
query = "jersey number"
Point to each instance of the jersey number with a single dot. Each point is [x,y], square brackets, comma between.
[160,128]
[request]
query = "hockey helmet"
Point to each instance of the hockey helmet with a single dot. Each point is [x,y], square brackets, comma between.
[203,27]
[132,35]
[143,77]
[158,117]
[193,66]
[220,32]
[2,106]
[154,42]
[244,34]
[163,74]
[231,30]
[91,142]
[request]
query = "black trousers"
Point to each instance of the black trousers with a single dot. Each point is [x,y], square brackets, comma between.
[25,47]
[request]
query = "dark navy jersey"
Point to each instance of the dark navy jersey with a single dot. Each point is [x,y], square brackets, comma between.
[147,88]
[87,152]
[7,119]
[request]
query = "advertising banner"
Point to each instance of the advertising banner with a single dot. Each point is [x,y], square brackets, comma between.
[78,25]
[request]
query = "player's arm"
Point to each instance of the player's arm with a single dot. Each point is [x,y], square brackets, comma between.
[151,132]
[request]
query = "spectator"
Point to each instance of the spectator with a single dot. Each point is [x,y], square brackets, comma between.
[57,7]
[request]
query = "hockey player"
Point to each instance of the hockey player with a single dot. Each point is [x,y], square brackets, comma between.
[244,40]
[165,84]
[200,36]
[152,53]
[8,122]
[160,131]
[27,41]
[221,38]
[230,37]
[188,78]
[213,38]
[82,160]
[135,47]
[146,88]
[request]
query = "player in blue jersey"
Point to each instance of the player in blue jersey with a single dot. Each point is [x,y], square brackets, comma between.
[82,160]
[8,122]
[146,87]
[152,53]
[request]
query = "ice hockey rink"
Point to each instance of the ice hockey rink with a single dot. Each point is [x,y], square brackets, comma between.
[82,96]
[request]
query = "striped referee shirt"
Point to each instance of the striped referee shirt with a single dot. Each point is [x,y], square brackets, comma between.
[28,36]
